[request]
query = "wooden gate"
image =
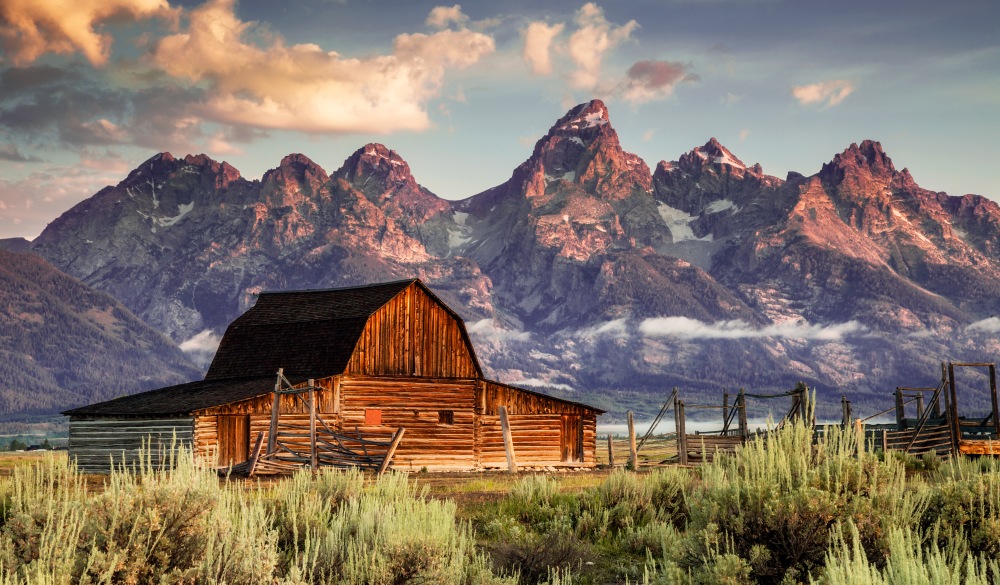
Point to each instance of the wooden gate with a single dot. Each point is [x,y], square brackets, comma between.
[234,439]
[571,442]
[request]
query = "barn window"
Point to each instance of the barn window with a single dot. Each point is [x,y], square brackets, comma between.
[446,417]
[373,416]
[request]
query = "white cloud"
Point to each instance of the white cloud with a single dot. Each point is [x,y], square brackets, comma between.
[201,347]
[829,93]
[490,330]
[587,46]
[648,135]
[31,28]
[442,16]
[989,325]
[538,39]
[744,134]
[304,88]
[685,328]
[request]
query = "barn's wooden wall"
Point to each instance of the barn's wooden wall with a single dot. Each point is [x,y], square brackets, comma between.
[413,335]
[490,395]
[293,412]
[536,423]
[414,403]
[93,442]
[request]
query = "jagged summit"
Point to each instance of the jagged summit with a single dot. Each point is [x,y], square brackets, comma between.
[712,152]
[867,158]
[589,115]
[375,160]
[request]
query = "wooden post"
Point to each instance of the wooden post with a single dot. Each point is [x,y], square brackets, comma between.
[396,438]
[725,412]
[744,427]
[336,394]
[633,452]
[993,398]
[803,408]
[508,441]
[920,405]
[955,423]
[611,452]
[255,454]
[272,434]
[900,413]
[313,455]
[859,430]
[682,453]
[845,411]
[885,440]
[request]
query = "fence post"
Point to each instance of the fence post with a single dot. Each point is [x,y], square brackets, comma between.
[845,407]
[725,412]
[611,452]
[900,412]
[920,405]
[633,452]
[955,423]
[744,427]
[313,455]
[682,453]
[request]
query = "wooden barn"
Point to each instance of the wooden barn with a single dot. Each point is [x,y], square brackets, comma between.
[379,357]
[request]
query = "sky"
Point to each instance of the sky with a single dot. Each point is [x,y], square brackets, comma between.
[89,89]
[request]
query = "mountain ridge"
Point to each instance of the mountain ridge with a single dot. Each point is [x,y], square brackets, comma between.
[571,257]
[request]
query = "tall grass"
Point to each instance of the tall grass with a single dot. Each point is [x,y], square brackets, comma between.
[185,526]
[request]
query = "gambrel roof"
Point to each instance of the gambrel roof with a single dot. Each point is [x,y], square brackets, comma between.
[309,334]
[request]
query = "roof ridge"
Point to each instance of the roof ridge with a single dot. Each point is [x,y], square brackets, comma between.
[319,290]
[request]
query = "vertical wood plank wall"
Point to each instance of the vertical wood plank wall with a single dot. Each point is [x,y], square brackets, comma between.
[536,427]
[93,442]
[413,335]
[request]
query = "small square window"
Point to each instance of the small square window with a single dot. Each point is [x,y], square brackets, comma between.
[446,417]
[373,416]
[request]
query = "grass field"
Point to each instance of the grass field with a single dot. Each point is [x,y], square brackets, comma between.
[784,510]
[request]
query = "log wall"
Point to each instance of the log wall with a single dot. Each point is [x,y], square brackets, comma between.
[416,404]
[413,335]
[93,442]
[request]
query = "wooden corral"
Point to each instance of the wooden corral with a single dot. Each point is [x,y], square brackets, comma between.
[940,427]
[702,446]
[379,358]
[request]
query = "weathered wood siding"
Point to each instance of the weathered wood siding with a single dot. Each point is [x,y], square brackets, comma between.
[416,404]
[538,428]
[94,442]
[413,335]
[294,415]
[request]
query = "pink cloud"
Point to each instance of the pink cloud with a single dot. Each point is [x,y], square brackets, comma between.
[829,93]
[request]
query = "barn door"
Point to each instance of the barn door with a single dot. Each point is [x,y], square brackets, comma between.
[234,439]
[572,438]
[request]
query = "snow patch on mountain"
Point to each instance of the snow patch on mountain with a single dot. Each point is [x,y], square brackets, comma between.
[679,223]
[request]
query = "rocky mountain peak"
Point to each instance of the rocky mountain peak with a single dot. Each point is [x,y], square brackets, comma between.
[712,152]
[375,160]
[868,159]
[298,168]
[224,173]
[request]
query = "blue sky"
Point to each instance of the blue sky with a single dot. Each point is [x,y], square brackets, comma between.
[463,91]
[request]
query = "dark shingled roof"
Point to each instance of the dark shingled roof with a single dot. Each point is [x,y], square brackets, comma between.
[308,333]
[182,399]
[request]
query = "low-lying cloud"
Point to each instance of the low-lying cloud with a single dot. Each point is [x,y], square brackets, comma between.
[685,328]
[205,342]
[490,330]
[988,325]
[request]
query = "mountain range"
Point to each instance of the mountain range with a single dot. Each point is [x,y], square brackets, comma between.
[586,272]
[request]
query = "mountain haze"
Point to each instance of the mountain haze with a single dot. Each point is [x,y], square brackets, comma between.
[586,271]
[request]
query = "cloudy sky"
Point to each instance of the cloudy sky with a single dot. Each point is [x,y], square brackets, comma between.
[91,88]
